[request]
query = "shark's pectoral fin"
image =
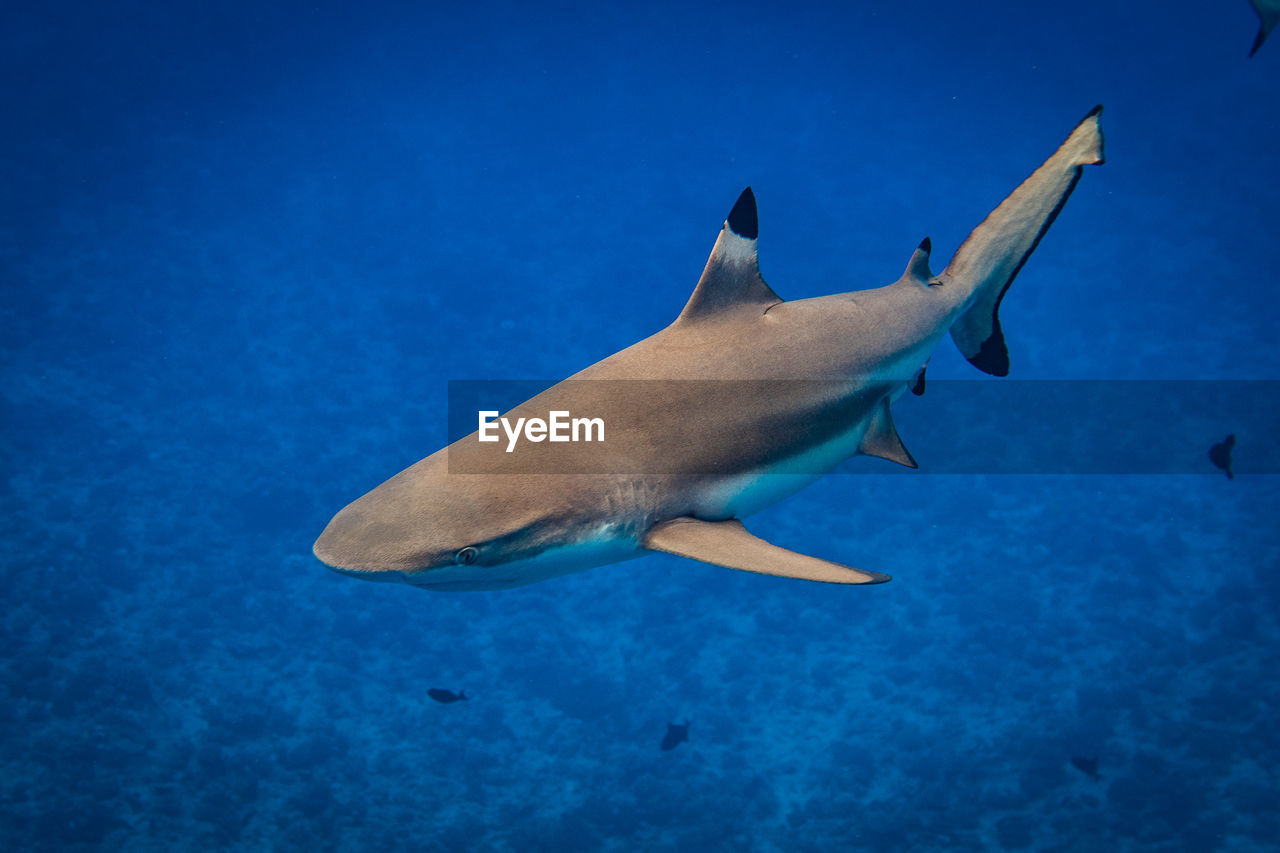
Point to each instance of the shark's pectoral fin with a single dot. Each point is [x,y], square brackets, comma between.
[728,544]
[882,439]
[731,279]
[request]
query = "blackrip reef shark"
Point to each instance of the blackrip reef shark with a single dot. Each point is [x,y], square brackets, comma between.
[803,386]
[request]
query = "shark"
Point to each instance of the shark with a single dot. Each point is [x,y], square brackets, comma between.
[743,400]
[1268,15]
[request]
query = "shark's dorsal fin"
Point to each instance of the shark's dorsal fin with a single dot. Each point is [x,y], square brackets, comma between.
[882,439]
[731,279]
[728,544]
[918,266]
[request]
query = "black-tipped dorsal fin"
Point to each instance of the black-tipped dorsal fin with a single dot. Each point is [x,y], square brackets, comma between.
[882,439]
[918,266]
[731,279]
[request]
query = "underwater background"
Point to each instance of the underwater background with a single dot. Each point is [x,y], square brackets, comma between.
[245,246]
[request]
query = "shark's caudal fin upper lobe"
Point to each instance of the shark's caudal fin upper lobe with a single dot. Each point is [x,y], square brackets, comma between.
[990,259]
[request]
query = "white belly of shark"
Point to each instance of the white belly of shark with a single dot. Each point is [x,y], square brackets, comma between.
[746,494]
[598,549]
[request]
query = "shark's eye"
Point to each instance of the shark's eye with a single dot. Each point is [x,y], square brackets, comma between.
[466,556]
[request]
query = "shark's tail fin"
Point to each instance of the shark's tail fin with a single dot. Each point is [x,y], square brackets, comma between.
[989,260]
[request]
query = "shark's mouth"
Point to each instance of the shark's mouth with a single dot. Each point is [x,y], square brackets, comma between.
[425,580]
[474,585]
[379,575]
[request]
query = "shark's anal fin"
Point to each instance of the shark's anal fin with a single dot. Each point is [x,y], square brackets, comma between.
[728,544]
[882,437]
[918,388]
[990,259]
[731,279]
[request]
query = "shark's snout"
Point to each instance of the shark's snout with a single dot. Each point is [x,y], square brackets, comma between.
[336,563]
[357,543]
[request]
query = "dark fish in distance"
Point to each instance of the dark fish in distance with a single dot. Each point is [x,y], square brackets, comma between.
[676,735]
[1268,16]
[1087,766]
[447,696]
[1220,455]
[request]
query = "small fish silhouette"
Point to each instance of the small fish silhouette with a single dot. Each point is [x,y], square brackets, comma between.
[1220,455]
[676,735]
[1087,766]
[447,696]
[1268,16]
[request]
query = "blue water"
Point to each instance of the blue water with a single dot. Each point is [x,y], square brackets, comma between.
[244,248]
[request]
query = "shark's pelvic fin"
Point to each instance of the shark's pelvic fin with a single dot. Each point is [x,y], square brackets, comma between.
[1268,15]
[989,260]
[882,439]
[731,279]
[728,544]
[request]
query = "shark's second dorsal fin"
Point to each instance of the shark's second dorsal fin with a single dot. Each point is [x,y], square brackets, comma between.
[882,439]
[727,543]
[918,266]
[731,279]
